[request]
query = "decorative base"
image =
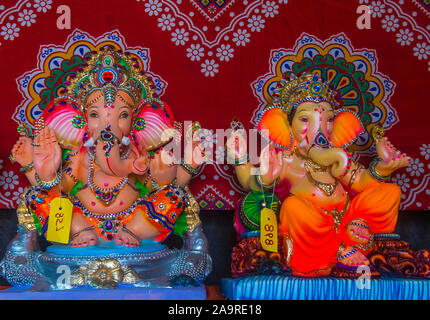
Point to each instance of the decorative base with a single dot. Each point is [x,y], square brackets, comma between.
[389,256]
[106,265]
[120,293]
[295,288]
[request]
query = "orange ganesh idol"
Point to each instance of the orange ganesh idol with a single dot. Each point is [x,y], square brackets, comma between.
[332,206]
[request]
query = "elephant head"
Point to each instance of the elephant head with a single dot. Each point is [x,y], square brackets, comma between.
[110,108]
[306,115]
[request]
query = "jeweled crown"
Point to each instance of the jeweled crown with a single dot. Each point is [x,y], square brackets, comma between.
[109,71]
[293,90]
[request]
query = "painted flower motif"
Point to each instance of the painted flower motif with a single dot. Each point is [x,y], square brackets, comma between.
[415,168]
[256,23]
[241,37]
[377,9]
[166,22]
[209,68]
[390,23]
[16,195]
[402,181]
[404,37]
[219,154]
[283,1]
[42,5]
[8,180]
[422,51]
[364,1]
[425,151]
[195,52]
[207,138]
[270,9]
[10,31]
[225,52]
[153,7]
[180,36]
[26,17]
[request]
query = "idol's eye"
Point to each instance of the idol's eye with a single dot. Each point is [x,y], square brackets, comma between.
[94,114]
[330,119]
[124,115]
[303,119]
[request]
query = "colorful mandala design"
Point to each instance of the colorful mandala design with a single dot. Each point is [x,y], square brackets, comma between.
[57,64]
[351,72]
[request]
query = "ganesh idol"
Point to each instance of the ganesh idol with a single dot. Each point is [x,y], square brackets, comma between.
[100,145]
[331,206]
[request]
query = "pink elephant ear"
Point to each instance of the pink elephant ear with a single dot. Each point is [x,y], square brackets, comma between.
[67,121]
[153,126]
[274,126]
[347,127]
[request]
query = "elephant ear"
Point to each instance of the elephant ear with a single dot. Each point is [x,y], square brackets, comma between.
[67,121]
[153,126]
[347,127]
[274,126]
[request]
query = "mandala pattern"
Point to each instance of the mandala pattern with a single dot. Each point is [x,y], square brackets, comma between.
[213,34]
[351,72]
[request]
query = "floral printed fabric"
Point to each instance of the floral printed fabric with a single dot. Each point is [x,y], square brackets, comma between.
[211,55]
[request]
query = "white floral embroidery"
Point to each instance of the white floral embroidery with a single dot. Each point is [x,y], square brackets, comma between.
[10,31]
[390,23]
[364,1]
[270,9]
[425,150]
[16,195]
[42,5]
[402,181]
[180,36]
[166,22]
[209,68]
[422,50]
[256,23]
[153,7]
[404,37]
[8,180]
[207,137]
[219,154]
[195,52]
[26,17]
[415,168]
[225,52]
[377,9]
[241,37]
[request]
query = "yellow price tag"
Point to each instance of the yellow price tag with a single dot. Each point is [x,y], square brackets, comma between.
[60,220]
[268,230]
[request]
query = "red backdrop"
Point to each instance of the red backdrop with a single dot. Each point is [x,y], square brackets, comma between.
[216,60]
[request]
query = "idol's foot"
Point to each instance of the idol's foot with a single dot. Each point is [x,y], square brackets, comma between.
[358,231]
[84,238]
[126,237]
[350,256]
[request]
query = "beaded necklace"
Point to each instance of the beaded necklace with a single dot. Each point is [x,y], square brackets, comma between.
[105,195]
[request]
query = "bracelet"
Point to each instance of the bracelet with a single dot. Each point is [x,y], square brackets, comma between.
[188,168]
[353,176]
[27,168]
[260,183]
[241,161]
[48,184]
[375,174]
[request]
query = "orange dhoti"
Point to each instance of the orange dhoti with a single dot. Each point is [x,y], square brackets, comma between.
[315,238]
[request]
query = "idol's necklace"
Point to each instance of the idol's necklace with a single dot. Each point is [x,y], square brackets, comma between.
[105,195]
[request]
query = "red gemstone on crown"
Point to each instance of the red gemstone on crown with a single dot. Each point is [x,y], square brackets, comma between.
[107,76]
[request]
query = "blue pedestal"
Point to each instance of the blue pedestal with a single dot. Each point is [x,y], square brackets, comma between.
[120,293]
[294,288]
